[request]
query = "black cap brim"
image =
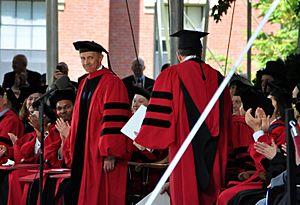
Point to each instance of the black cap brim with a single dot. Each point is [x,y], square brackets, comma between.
[85,46]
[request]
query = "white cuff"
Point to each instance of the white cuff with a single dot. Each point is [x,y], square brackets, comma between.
[257,135]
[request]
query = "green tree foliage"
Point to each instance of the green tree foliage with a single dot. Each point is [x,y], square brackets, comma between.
[283,42]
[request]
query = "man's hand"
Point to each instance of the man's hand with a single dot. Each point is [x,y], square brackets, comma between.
[3,150]
[269,151]
[254,123]
[108,164]
[63,128]
[165,188]
[265,120]
[34,122]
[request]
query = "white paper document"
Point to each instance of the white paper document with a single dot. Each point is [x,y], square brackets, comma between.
[134,123]
[161,199]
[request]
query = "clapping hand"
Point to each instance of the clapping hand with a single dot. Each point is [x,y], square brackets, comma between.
[269,151]
[63,128]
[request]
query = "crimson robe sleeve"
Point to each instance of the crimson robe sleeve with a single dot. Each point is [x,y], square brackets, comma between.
[66,153]
[24,149]
[161,116]
[52,145]
[115,114]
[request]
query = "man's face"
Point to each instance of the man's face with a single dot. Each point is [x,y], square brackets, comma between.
[91,61]
[236,104]
[137,69]
[18,64]
[64,109]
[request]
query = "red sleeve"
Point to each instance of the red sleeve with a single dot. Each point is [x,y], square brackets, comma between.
[115,114]
[66,153]
[24,149]
[52,145]
[161,115]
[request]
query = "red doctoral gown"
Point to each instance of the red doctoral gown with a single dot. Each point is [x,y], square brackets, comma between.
[106,113]
[9,123]
[168,116]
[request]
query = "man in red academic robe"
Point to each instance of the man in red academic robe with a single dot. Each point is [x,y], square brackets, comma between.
[95,149]
[180,94]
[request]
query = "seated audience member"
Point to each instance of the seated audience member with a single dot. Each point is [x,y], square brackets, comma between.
[9,123]
[266,129]
[27,148]
[138,78]
[237,83]
[30,95]
[142,178]
[21,76]
[63,102]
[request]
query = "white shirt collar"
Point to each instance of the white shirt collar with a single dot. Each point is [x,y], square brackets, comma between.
[189,57]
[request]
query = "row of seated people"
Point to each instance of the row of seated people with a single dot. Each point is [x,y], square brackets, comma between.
[258,145]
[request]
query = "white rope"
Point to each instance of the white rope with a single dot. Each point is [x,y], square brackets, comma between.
[208,108]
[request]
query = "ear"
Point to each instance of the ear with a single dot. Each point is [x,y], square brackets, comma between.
[100,58]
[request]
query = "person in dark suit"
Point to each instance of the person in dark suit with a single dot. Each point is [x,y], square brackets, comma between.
[138,78]
[20,76]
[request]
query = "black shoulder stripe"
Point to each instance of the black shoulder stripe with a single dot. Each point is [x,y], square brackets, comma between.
[116,105]
[6,141]
[115,118]
[163,95]
[111,130]
[159,108]
[156,122]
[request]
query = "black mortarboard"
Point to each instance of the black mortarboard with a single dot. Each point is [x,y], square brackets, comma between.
[252,98]
[85,46]
[66,94]
[189,39]
[141,91]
